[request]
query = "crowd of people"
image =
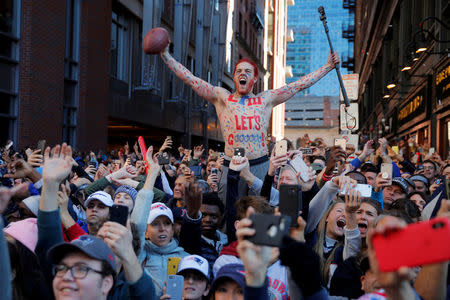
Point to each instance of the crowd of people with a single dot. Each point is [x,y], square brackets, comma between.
[188,216]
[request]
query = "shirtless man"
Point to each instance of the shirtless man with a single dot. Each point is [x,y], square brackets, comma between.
[244,117]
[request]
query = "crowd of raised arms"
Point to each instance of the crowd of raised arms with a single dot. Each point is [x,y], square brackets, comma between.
[64,234]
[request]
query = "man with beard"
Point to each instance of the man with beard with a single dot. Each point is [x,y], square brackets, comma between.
[97,211]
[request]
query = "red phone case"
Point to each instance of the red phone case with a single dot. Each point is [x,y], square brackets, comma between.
[418,244]
[143,151]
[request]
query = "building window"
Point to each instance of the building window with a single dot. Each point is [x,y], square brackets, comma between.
[71,58]
[120,46]
[9,68]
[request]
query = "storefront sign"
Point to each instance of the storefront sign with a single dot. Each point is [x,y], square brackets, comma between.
[414,108]
[442,81]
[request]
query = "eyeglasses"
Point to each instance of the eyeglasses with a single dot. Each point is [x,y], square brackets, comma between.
[77,271]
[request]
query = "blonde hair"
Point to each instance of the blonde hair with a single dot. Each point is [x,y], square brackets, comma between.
[318,246]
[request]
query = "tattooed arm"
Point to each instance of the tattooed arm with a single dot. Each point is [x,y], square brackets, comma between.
[205,90]
[286,92]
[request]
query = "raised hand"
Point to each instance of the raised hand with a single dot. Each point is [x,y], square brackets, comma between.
[126,148]
[337,155]
[119,239]
[90,169]
[276,161]
[7,193]
[35,159]
[102,171]
[63,197]
[124,172]
[306,186]
[193,196]
[333,59]
[198,151]
[256,259]
[166,145]
[381,182]
[21,169]
[58,165]
[238,163]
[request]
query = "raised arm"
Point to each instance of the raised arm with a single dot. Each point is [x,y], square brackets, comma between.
[202,88]
[286,92]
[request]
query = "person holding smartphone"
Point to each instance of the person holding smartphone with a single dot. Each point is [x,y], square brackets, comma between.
[195,271]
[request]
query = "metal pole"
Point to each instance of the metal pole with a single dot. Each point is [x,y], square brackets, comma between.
[323,18]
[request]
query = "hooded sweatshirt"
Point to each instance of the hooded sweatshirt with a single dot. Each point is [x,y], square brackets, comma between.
[153,258]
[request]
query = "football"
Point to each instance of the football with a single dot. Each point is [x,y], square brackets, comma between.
[155,41]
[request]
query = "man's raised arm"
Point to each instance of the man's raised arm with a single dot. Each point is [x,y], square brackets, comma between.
[204,89]
[286,92]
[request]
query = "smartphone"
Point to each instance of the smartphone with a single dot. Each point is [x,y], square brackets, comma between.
[215,171]
[175,286]
[386,171]
[400,248]
[41,146]
[290,202]
[172,265]
[119,214]
[340,143]
[431,151]
[163,159]
[281,148]
[395,149]
[239,152]
[270,229]
[364,189]
[307,151]
[221,154]
[299,166]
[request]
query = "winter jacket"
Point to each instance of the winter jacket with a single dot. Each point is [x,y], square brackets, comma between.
[153,258]
[156,261]
[192,241]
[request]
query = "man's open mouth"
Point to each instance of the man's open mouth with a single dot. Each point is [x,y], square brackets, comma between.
[362,226]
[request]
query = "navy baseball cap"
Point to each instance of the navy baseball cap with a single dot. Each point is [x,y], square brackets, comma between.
[420,178]
[178,213]
[235,272]
[90,245]
[399,181]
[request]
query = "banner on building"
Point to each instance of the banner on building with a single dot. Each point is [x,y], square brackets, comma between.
[351,86]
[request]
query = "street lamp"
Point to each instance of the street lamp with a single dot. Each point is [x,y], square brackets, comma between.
[391,85]
[406,68]
[421,43]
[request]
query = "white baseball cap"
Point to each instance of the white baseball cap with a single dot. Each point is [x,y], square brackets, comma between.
[101,196]
[159,209]
[194,262]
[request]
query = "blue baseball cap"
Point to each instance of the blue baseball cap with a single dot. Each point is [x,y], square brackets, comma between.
[90,245]
[235,272]
[399,181]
